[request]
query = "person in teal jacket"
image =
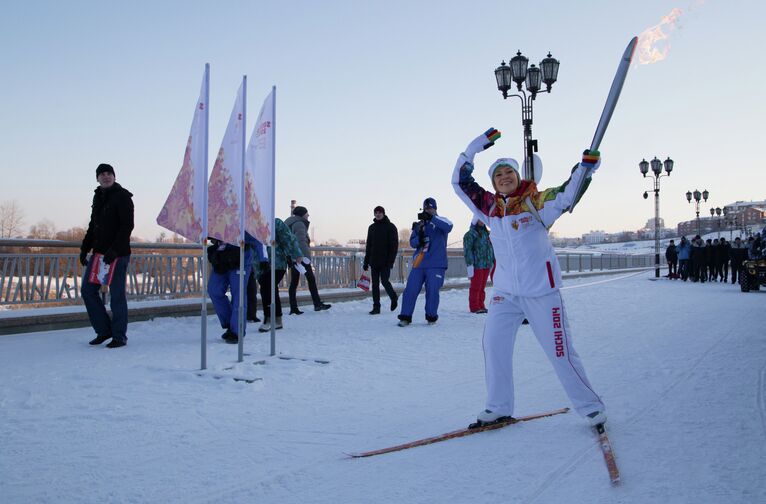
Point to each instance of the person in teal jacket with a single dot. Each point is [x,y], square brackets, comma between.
[286,246]
[479,259]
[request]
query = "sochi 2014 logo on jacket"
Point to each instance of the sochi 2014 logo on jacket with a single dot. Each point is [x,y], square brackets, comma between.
[524,221]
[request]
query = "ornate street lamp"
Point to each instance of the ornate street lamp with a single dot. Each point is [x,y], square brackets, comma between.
[550,68]
[698,196]
[519,71]
[656,166]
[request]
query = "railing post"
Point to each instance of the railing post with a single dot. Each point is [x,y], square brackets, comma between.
[352,267]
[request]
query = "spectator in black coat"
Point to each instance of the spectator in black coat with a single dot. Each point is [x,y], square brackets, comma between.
[711,250]
[109,229]
[723,259]
[380,254]
[671,255]
[698,260]
[737,255]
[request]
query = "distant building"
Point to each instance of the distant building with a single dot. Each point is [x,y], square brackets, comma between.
[739,215]
[593,237]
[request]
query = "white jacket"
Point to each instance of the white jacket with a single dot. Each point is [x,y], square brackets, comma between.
[526,262]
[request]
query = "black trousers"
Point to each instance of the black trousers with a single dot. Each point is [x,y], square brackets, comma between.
[683,269]
[381,276]
[295,277]
[735,270]
[265,281]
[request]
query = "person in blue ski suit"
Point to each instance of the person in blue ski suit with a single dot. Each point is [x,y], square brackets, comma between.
[224,258]
[429,262]
[684,254]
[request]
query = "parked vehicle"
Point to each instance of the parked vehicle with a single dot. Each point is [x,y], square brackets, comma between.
[752,275]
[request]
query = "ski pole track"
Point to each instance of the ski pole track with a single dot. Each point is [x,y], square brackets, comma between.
[570,464]
[591,284]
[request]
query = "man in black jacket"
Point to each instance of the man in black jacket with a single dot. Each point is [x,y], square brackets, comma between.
[738,254]
[380,254]
[111,222]
[671,255]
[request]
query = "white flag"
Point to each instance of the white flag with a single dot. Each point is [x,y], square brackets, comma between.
[259,174]
[226,179]
[184,210]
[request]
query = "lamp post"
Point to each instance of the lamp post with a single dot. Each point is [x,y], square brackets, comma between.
[729,221]
[657,166]
[717,212]
[516,71]
[697,197]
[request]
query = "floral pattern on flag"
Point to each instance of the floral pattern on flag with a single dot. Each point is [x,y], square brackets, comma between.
[223,204]
[259,174]
[257,225]
[178,213]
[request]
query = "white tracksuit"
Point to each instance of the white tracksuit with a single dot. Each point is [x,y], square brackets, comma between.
[526,285]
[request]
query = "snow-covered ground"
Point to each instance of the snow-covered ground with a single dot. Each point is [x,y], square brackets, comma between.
[681,366]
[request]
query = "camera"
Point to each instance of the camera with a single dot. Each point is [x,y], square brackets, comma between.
[424,216]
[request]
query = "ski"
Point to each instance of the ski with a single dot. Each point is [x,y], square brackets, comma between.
[458,433]
[611,103]
[606,449]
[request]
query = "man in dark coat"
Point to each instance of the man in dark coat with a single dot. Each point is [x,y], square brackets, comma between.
[380,254]
[111,222]
[738,254]
[723,259]
[671,255]
[698,259]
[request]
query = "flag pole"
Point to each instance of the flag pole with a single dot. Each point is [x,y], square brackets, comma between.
[242,267]
[203,318]
[273,221]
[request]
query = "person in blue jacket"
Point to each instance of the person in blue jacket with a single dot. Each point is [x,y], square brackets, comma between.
[684,250]
[224,258]
[429,262]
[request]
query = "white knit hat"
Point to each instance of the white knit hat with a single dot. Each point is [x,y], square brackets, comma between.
[509,162]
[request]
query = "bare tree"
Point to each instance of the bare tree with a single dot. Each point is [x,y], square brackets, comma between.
[404,237]
[43,230]
[11,219]
[72,234]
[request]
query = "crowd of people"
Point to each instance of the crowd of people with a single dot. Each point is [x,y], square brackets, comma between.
[711,260]
[522,264]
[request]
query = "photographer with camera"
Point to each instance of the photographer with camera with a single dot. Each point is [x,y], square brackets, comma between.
[429,263]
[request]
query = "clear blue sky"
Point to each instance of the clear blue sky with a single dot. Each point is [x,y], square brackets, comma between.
[375,101]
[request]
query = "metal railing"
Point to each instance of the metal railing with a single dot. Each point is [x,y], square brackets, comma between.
[48,272]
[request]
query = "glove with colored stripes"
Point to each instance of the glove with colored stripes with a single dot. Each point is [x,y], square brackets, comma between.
[591,160]
[482,142]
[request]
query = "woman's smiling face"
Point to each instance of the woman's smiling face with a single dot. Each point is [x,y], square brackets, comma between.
[505,179]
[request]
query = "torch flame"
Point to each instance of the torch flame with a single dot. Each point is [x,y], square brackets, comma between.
[653,44]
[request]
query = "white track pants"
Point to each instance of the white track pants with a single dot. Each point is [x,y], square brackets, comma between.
[548,321]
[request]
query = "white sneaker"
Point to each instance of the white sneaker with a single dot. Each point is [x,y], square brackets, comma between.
[279,323]
[266,326]
[403,323]
[595,418]
[488,416]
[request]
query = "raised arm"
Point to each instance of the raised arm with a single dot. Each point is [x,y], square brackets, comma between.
[472,194]
[553,202]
